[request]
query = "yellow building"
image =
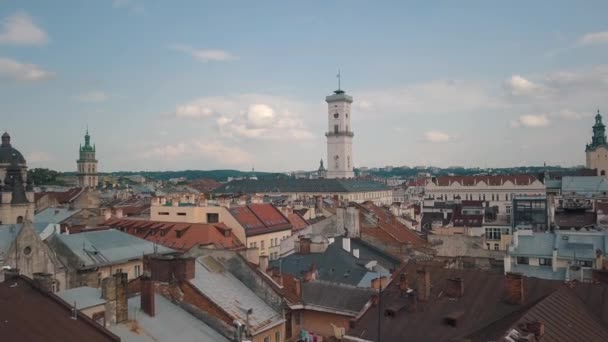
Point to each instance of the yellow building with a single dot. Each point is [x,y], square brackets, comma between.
[597,151]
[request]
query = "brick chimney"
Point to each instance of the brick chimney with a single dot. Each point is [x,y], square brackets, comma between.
[44,281]
[169,269]
[537,328]
[298,284]
[454,287]
[423,284]
[147,295]
[514,288]
[114,291]
[379,282]
[303,245]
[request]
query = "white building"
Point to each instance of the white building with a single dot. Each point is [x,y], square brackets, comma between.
[339,136]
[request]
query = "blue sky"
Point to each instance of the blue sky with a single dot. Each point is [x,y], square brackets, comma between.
[234,84]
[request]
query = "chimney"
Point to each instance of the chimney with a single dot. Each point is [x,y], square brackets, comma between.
[514,288]
[114,289]
[403,283]
[147,295]
[356,252]
[423,284]
[298,287]
[263,263]
[454,287]
[304,245]
[537,328]
[44,281]
[346,244]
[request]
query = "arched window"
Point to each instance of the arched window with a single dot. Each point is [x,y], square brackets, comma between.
[348,162]
[19,219]
[603,173]
[337,160]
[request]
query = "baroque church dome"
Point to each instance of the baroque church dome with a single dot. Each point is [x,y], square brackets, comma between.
[8,154]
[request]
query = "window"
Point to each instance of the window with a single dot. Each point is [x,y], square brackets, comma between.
[19,219]
[262,244]
[27,250]
[163,213]
[213,218]
[118,270]
[583,263]
[523,261]
[277,336]
[181,214]
[545,262]
[336,130]
[266,339]
[137,270]
[336,115]
[496,247]
[296,316]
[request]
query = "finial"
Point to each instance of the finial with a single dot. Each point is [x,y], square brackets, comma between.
[338,76]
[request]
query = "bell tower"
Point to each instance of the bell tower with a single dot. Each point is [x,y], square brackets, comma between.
[339,135]
[87,164]
[597,151]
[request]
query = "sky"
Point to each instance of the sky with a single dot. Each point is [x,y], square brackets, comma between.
[174,85]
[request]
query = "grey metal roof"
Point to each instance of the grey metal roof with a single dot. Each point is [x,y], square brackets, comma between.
[170,323]
[580,245]
[584,185]
[300,185]
[84,297]
[338,265]
[107,247]
[334,296]
[55,215]
[214,280]
[535,245]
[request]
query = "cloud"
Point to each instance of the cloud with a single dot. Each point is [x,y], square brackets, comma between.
[19,29]
[594,38]
[23,72]
[517,85]
[437,96]
[93,96]
[222,154]
[436,137]
[250,116]
[531,121]
[206,55]
[37,157]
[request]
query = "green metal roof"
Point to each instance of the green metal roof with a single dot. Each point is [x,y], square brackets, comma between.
[300,185]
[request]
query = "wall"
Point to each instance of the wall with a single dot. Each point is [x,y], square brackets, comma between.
[10,212]
[271,333]
[598,159]
[197,215]
[268,249]
[318,322]
[93,278]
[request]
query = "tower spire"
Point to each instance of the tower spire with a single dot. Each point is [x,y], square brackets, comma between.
[339,76]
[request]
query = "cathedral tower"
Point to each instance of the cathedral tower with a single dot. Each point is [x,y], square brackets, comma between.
[87,165]
[339,135]
[597,151]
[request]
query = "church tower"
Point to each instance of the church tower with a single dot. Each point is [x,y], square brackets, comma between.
[87,164]
[597,151]
[339,135]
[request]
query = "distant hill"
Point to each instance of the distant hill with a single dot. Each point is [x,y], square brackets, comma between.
[217,175]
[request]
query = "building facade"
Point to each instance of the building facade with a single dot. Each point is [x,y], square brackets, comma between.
[16,189]
[339,136]
[87,164]
[597,151]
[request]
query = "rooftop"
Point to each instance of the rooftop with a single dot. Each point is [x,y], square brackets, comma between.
[260,218]
[28,314]
[301,185]
[55,215]
[491,180]
[84,297]
[103,247]
[584,185]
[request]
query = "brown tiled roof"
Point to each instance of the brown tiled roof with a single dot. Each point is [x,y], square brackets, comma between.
[481,305]
[178,235]
[494,180]
[260,218]
[28,314]
[297,221]
[393,228]
[62,197]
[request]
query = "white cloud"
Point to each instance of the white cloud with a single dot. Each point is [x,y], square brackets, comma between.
[219,153]
[23,72]
[517,85]
[93,96]
[436,137]
[19,29]
[594,38]
[438,96]
[206,55]
[250,116]
[531,121]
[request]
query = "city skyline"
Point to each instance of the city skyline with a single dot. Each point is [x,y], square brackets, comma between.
[222,87]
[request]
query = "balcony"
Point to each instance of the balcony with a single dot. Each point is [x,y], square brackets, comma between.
[575,203]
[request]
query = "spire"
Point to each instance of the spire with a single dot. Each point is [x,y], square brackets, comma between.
[339,76]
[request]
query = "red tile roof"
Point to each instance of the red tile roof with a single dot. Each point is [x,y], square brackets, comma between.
[297,221]
[260,218]
[389,224]
[493,180]
[177,235]
[62,197]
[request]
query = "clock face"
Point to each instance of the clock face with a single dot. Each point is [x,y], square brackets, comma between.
[336,115]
